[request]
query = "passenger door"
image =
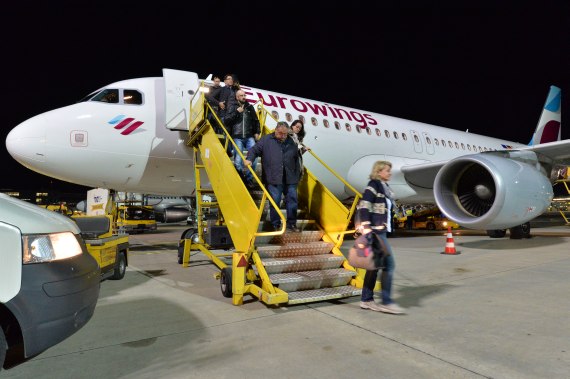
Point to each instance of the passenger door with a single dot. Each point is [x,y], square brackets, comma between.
[180,86]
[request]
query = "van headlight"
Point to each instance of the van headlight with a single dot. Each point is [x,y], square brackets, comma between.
[50,247]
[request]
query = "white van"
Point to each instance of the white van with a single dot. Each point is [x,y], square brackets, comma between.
[49,283]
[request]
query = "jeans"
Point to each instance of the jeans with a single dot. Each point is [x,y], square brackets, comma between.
[290,191]
[244,144]
[385,278]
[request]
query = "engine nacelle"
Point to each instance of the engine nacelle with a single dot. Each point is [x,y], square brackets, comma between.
[486,191]
[173,214]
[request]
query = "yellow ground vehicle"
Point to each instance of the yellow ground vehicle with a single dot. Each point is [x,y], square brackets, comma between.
[434,223]
[426,222]
[135,218]
[109,249]
[59,208]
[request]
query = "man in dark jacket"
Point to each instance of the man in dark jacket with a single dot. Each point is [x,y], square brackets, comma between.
[243,125]
[281,171]
[213,99]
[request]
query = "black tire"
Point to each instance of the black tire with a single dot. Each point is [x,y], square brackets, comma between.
[430,226]
[226,282]
[120,267]
[520,231]
[3,348]
[497,233]
[187,233]
[181,251]
[190,234]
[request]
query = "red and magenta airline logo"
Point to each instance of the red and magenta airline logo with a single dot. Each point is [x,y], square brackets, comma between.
[121,121]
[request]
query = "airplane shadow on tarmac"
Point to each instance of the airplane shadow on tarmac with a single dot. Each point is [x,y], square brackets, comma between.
[512,244]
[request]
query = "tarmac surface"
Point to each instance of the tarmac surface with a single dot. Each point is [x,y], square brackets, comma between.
[500,309]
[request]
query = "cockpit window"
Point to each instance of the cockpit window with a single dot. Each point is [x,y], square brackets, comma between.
[116,96]
[107,96]
[131,96]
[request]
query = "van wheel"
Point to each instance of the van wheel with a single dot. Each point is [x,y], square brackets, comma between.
[120,267]
[226,282]
[3,348]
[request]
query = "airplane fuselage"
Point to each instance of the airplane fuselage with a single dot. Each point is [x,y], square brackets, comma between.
[81,144]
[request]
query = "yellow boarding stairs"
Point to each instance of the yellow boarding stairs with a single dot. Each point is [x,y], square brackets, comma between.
[562,204]
[273,266]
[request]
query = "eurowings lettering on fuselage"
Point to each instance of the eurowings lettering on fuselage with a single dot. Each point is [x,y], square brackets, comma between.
[274,100]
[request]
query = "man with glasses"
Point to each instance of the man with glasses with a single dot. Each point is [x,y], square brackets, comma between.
[281,172]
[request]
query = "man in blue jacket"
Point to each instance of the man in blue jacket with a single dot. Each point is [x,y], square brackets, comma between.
[281,171]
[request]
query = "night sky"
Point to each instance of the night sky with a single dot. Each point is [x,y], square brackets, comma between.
[486,69]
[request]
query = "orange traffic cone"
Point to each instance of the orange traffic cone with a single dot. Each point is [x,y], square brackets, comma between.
[449,244]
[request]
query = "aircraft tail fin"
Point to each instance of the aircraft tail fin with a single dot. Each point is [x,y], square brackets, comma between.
[548,128]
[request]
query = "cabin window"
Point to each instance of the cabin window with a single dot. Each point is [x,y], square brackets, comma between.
[450,144]
[378,132]
[456,145]
[396,135]
[326,123]
[416,139]
[337,125]
[443,143]
[468,147]
[288,117]
[436,141]
[428,140]
[275,115]
[368,131]
[314,121]
[348,127]
[387,133]
[131,96]
[404,137]
[480,148]
[302,118]
[462,146]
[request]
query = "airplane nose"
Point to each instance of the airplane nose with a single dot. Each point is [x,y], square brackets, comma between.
[26,142]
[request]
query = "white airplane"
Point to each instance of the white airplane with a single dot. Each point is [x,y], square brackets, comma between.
[130,136]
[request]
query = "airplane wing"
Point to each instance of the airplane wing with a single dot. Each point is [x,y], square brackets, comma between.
[557,150]
[422,175]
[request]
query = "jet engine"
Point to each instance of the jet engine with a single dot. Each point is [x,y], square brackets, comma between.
[487,191]
[172,214]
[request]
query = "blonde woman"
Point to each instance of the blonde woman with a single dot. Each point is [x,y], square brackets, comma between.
[374,211]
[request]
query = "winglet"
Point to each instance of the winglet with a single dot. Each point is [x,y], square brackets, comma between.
[548,128]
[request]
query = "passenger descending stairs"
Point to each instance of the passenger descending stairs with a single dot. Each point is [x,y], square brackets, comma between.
[280,267]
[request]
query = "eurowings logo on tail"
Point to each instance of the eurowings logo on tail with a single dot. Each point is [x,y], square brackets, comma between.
[122,122]
[548,128]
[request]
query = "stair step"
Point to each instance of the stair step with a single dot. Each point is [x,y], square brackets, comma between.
[291,237]
[306,280]
[306,263]
[294,249]
[321,294]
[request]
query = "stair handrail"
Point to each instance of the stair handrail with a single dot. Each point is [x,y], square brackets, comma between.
[206,111]
[262,115]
